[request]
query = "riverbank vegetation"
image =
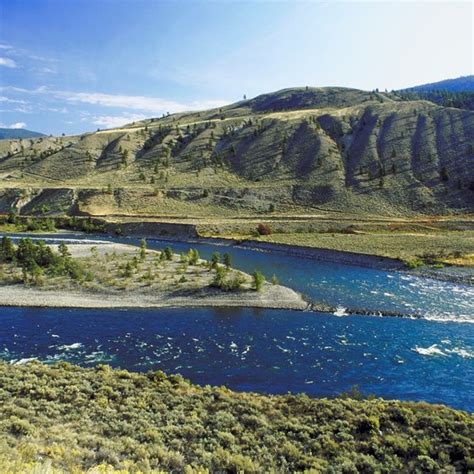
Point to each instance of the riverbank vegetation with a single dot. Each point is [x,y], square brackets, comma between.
[42,223]
[416,242]
[74,419]
[412,248]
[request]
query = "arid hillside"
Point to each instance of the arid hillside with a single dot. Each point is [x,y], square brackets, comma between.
[297,149]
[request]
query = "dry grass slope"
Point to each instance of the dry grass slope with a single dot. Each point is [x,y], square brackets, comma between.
[330,148]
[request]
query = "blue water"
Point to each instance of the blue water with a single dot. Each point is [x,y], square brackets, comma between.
[339,284]
[278,351]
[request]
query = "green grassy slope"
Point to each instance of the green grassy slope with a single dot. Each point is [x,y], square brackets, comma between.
[78,418]
[331,148]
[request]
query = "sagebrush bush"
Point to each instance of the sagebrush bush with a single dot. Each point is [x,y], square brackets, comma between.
[76,419]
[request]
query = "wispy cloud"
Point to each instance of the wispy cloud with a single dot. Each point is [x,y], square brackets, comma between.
[38,90]
[11,101]
[44,70]
[135,102]
[144,104]
[15,125]
[111,121]
[7,62]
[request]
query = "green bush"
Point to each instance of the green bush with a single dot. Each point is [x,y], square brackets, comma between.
[413,262]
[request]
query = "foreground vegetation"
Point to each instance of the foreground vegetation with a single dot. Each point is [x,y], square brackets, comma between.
[79,418]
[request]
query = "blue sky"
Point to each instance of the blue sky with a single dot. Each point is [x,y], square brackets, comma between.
[76,65]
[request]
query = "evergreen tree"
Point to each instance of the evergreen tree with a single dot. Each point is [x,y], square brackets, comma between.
[258,280]
[215,259]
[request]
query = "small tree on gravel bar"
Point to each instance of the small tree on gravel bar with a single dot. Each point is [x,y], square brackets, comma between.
[215,259]
[258,280]
[193,256]
[168,252]
[227,260]
[142,250]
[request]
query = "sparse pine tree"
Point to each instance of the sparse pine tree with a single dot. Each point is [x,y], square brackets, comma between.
[143,247]
[258,280]
[193,256]
[215,259]
[63,250]
[227,260]
[168,252]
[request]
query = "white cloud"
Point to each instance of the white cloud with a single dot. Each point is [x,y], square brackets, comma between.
[112,121]
[14,125]
[11,101]
[18,125]
[45,70]
[136,102]
[7,62]
[38,90]
[145,104]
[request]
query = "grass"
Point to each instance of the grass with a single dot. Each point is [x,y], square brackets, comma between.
[452,247]
[73,419]
[415,241]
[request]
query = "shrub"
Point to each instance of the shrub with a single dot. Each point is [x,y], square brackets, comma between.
[168,253]
[78,417]
[215,259]
[413,262]
[219,277]
[368,424]
[258,280]
[19,427]
[193,256]
[233,284]
[143,249]
[263,229]
[227,260]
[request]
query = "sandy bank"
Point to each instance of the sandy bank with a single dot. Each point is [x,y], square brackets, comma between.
[271,296]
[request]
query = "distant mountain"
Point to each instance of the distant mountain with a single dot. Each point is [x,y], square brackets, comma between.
[457,93]
[460,84]
[292,150]
[15,133]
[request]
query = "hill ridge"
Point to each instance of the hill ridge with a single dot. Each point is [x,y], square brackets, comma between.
[297,148]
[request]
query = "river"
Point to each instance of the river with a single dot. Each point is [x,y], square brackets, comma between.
[276,351]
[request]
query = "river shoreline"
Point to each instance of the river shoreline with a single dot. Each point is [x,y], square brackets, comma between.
[460,275]
[449,273]
[271,297]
